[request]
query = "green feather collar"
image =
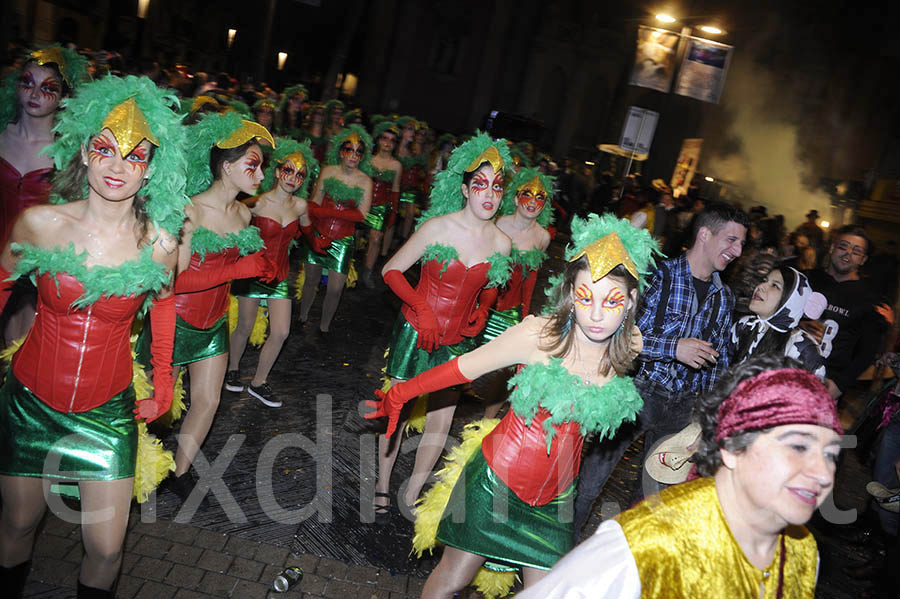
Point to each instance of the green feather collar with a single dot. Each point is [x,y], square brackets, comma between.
[498,273]
[340,192]
[131,278]
[530,259]
[387,175]
[409,162]
[204,241]
[598,410]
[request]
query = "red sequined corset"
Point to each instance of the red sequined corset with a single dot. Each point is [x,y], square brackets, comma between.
[511,294]
[335,228]
[202,309]
[451,295]
[18,192]
[278,242]
[411,178]
[76,359]
[518,454]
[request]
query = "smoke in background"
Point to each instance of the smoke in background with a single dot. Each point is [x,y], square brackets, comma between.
[756,148]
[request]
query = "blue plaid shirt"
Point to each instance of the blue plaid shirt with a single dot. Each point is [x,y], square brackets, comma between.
[711,322]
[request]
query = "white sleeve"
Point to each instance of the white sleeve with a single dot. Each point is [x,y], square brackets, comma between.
[600,567]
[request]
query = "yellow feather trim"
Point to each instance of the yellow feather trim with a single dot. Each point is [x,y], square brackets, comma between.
[493,584]
[416,422]
[258,333]
[298,286]
[430,507]
[352,276]
[232,314]
[7,354]
[153,463]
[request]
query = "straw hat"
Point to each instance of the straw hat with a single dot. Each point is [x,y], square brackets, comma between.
[668,461]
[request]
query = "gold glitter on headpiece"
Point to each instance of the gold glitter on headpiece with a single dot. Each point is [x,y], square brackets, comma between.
[490,155]
[605,254]
[55,55]
[534,186]
[353,138]
[297,158]
[248,130]
[129,126]
[201,101]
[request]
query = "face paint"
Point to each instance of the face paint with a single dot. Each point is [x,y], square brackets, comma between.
[614,302]
[138,159]
[252,163]
[584,297]
[290,175]
[348,149]
[532,197]
[101,149]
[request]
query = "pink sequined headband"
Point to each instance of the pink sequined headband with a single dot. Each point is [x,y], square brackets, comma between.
[774,398]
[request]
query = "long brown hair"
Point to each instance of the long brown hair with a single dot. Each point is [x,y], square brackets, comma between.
[559,329]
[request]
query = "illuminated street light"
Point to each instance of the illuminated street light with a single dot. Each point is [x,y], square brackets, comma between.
[282,57]
[664,18]
[824,224]
[589,163]
[143,5]
[711,30]
[231,34]
[710,179]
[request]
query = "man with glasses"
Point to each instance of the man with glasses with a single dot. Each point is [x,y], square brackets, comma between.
[851,328]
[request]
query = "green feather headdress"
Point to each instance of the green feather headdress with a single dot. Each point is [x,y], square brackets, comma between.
[515,152]
[444,139]
[290,92]
[333,156]
[403,121]
[74,70]
[240,107]
[202,136]
[352,114]
[638,243]
[334,104]
[385,126]
[508,205]
[285,146]
[446,196]
[84,115]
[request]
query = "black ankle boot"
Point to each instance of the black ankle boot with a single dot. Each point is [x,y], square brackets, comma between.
[86,592]
[13,579]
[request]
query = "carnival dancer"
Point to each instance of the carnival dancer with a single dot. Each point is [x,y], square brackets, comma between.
[342,198]
[29,100]
[281,216]
[264,113]
[768,452]
[218,246]
[412,189]
[334,110]
[526,214]
[315,131]
[67,409]
[465,259]
[385,171]
[571,383]
[290,111]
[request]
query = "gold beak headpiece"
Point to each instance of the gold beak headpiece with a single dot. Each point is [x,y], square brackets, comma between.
[490,155]
[52,54]
[129,126]
[353,138]
[534,185]
[605,254]
[297,158]
[248,130]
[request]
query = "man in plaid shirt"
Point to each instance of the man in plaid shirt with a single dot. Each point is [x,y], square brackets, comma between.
[685,319]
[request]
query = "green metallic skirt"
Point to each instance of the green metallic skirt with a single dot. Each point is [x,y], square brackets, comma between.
[258,289]
[483,516]
[497,322]
[191,344]
[409,197]
[336,258]
[405,360]
[377,216]
[36,440]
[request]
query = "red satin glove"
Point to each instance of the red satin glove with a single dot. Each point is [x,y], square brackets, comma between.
[479,315]
[255,265]
[316,243]
[428,328]
[350,214]
[6,287]
[391,403]
[392,219]
[162,330]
